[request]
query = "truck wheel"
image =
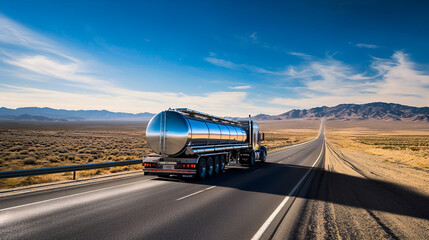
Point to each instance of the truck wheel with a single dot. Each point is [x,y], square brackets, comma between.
[216,165]
[222,163]
[202,169]
[210,167]
[252,158]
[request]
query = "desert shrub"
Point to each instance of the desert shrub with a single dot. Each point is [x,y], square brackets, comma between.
[16,148]
[24,152]
[62,150]
[30,161]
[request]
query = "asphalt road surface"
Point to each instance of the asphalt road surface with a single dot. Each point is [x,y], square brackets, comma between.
[241,203]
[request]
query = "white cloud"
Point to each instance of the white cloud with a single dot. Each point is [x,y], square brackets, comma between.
[331,82]
[253,36]
[364,45]
[241,87]
[15,34]
[218,103]
[323,82]
[39,56]
[228,64]
[70,71]
[401,79]
[301,55]
[222,63]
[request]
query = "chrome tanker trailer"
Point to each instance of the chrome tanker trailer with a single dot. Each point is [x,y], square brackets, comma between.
[189,143]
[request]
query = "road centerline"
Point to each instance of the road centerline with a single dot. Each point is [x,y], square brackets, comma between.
[192,194]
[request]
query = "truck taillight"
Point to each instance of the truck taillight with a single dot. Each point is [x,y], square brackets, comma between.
[189,165]
[150,165]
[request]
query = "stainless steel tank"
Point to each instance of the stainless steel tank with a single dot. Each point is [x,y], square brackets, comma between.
[170,132]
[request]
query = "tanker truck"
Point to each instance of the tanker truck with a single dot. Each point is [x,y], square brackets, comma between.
[192,144]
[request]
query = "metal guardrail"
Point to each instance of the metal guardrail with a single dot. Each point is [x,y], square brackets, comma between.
[68,168]
[282,146]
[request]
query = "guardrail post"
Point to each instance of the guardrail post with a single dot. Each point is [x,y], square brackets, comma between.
[74,175]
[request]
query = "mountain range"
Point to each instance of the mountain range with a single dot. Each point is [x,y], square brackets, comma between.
[376,110]
[50,114]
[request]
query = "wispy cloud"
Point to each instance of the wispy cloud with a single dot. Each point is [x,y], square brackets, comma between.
[253,36]
[69,71]
[38,55]
[364,45]
[222,63]
[330,82]
[15,34]
[301,55]
[241,87]
[132,101]
[228,64]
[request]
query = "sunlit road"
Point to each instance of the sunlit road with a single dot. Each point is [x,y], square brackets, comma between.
[241,203]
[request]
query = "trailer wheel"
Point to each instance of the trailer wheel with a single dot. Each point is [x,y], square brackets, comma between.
[210,167]
[222,163]
[202,169]
[263,156]
[252,158]
[216,165]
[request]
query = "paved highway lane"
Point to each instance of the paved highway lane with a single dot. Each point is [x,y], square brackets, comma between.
[241,203]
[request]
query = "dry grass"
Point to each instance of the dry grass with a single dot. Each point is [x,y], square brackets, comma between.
[400,142]
[287,132]
[38,144]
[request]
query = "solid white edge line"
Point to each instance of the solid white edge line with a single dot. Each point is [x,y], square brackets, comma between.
[192,194]
[73,195]
[267,223]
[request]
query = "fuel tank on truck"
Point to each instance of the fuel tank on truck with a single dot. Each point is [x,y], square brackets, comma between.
[170,132]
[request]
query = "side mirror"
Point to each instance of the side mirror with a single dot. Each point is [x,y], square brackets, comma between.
[263,137]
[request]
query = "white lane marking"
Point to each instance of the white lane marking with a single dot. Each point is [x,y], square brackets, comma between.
[267,223]
[73,195]
[192,194]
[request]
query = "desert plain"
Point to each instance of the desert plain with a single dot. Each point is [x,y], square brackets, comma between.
[32,144]
[395,145]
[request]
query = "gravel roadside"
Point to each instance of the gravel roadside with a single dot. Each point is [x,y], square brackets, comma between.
[360,196]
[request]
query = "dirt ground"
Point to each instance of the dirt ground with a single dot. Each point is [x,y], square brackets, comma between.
[45,144]
[362,193]
[393,141]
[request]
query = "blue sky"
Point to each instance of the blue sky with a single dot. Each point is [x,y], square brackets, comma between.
[221,57]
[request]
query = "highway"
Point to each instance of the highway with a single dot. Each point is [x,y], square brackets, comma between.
[241,203]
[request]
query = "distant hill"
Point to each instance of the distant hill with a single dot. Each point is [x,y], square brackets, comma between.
[376,110]
[50,114]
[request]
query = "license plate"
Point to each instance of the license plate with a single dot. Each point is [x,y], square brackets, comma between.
[168,167]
